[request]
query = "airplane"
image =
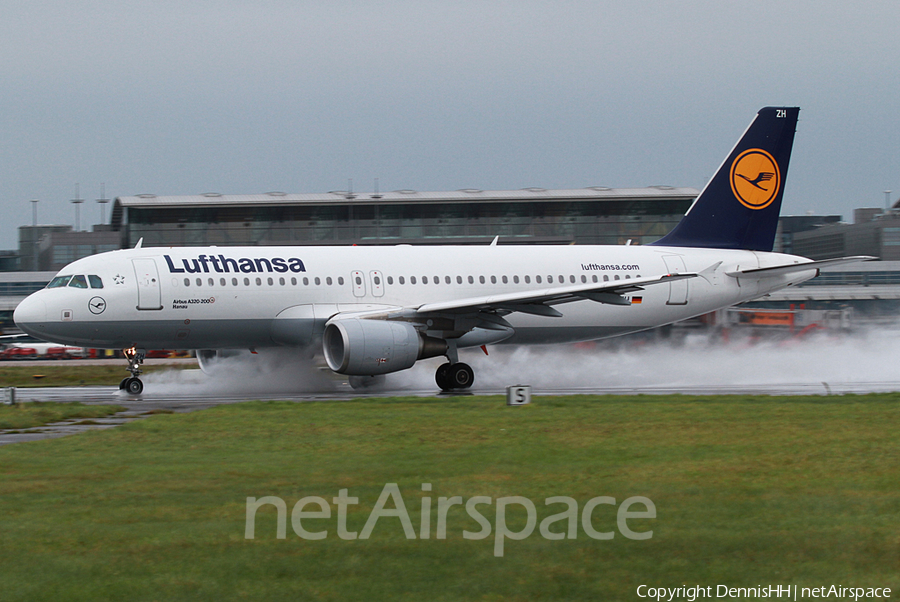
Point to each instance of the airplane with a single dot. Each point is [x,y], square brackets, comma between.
[376,310]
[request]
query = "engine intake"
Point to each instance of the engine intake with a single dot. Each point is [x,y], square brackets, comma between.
[370,347]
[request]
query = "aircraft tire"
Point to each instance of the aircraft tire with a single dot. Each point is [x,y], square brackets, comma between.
[442,377]
[134,386]
[460,376]
[124,383]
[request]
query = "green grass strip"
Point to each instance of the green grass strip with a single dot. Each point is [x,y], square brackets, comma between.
[72,373]
[29,415]
[748,491]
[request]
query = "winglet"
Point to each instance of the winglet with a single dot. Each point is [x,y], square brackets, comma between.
[739,207]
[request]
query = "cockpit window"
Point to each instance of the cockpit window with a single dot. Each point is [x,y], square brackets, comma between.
[78,282]
[95,281]
[59,281]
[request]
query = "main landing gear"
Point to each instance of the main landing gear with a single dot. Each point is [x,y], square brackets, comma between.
[133,384]
[454,374]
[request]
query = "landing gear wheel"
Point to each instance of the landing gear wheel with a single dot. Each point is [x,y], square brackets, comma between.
[134,386]
[454,376]
[442,377]
[461,376]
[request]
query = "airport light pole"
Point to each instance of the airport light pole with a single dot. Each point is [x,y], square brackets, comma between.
[103,201]
[34,245]
[77,201]
[887,201]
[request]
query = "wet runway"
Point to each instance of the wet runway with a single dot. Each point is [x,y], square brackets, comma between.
[818,367]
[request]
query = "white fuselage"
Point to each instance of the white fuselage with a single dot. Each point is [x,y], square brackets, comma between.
[247,297]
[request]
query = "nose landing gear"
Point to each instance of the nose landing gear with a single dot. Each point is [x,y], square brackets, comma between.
[133,384]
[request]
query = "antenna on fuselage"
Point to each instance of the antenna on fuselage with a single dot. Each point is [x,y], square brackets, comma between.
[139,243]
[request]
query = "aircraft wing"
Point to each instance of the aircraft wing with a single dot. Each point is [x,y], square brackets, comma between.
[539,301]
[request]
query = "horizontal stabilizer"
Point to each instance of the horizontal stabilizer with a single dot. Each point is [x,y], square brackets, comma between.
[799,267]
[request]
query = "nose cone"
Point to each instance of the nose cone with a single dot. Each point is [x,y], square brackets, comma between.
[31,315]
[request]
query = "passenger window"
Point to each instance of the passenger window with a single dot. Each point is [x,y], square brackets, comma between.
[481,279]
[328,281]
[246,282]
[270,281]
[459,280]
[78,282]
[515,280]
[59,281]
[390,280]
[281,281]
[221,282]
[594,277]
[583,278]
[318,281]
[605,278]
[212,282]
[505,280]
[537,279]
[341,280]
[424,279]
[306,282]
[401,280]
[447,279]
[437,279]
[572,279]
[95,281]
[616,277]
[471,280]
[527,279]
[293,281]
[234,281]
[549,279]
[412,279]
[493,280]
[187,281]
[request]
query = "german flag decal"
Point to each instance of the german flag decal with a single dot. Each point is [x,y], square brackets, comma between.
[636,300]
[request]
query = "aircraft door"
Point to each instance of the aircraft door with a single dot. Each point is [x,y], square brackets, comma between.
[678,290]
[357,279]
[377,283]
[147,276]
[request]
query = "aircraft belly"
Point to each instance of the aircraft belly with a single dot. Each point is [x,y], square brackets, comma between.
[166,334]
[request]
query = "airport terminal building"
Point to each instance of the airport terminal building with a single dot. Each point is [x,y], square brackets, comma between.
[533,215]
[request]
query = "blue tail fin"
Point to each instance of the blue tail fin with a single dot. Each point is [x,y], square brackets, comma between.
[740,205]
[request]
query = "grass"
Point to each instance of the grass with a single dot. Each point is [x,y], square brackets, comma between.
[748,491]
[30,415]
[72,373]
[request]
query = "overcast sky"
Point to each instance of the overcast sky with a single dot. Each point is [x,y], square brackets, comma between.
[182,97]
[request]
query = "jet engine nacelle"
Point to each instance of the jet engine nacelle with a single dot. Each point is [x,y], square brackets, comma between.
[369,347]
